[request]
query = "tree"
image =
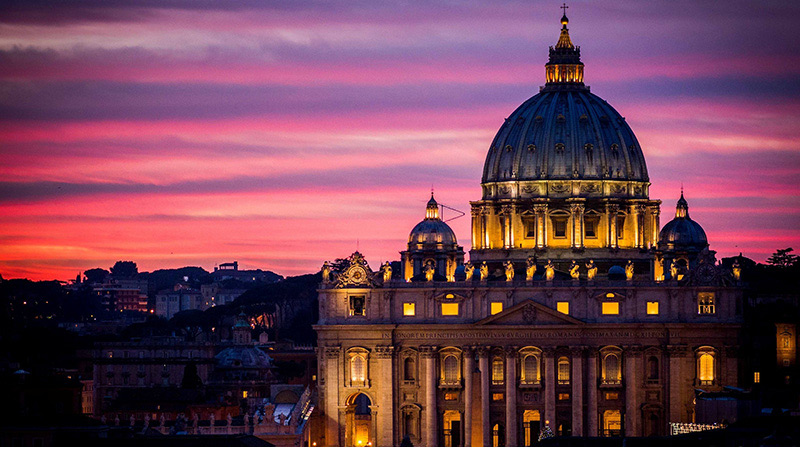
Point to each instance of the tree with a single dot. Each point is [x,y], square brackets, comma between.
[95,275]
[783,258]
[190,378]
[190,323]
[124,269]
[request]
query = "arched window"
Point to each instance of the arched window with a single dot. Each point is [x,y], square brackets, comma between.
[450,369]
[652,368]
[611,372]
[408,369]
[497,371]
[563,370]
[530,369]
[706,368]
[358,369]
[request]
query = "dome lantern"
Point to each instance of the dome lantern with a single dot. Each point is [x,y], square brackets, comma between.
[564,66]
[432,210]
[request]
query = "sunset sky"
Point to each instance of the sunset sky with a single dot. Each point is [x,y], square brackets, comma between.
[285,133]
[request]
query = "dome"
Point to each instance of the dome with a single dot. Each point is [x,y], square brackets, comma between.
[565,134]
[243,357]
[682,233]
[432,230]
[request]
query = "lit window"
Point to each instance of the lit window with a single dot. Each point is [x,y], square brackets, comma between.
[706,303]
[357,305]
[563,307]
[451,396]
[612,395]
[497,307]
[612,423]
[563,370]
[757,377]
[450,296]
[244,394]
[530,369]
[409,309]
[706,369]
[590,227]
[563,397]
[449,309]
[358,369]
[620,227]
[451,369]
[497,371]
[497,396]
[610,307]
[652,307]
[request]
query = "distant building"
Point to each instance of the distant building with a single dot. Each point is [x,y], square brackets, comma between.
[216,295]
[180,298]
[123,294]
[231,271]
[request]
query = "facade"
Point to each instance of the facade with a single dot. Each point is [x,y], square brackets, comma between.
[123,294]
[576,314]
[181,298]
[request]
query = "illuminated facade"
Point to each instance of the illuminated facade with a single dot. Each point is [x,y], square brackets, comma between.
[574,312]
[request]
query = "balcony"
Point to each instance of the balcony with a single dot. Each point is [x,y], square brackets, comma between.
[530,384]
[450,384]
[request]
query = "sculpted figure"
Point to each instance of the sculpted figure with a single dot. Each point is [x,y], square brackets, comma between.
[629,270]
[509,270]
[326,272]
[387,272]
[429,271]
[659,267]
[737,270]
[530,269]
[591,270]
[451,270]
[484,271]
[469,269]
[549,271]
[673,271]
[573,271]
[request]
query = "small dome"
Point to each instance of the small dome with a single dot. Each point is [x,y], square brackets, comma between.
[616,272]
[432,230]
[243,357]
[682,233]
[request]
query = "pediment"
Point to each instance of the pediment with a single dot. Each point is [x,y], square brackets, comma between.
[529,312]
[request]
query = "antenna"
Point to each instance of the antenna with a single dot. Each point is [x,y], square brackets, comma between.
[460,213]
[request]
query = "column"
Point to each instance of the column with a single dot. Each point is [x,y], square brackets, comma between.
[469,367]
[591,391]
[577,391]
[550,387]
[540,209]
[332,384]
[576,214]
[429,354]
[505,211]
[675,358]
[483,366]
[476,226]
[512,429]
[611,212]
[385,417]
[656,211]
[632,386]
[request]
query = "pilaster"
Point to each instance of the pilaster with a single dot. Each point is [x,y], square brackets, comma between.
[512,429]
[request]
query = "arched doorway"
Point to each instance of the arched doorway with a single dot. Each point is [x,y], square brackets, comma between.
[359,431]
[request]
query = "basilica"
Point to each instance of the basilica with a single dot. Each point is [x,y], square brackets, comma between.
[576,314]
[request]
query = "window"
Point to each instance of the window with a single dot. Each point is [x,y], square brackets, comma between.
[530,228]
[408,369]
[358,369]
[706,303]
[451,369]
[244,394]
[652,307]
[409,309]
[562,307]
[452,428]
[706,368]
[757,377]
[559,227]
[612,423]
[451,396]
[610,307]
[620,227]
[612,395]
[531,421]
[497,307]
[498,435]
[590,227]
[563,397]
[497,370]
[357,305]
[563,370]
[497,396]
[449,309]
[652,368]
[611,371]
[530,369]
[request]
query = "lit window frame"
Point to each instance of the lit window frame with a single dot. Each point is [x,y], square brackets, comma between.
[652,308]
[563,307]
[607,306]
[495,307]
[409,309]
